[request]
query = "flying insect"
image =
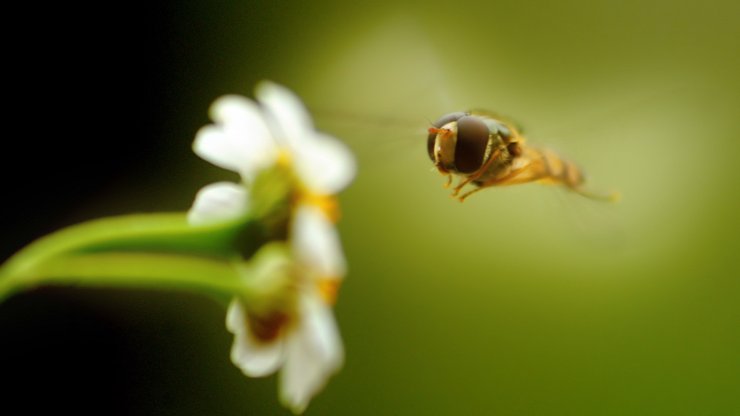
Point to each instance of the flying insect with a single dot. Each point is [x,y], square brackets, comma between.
[484,151]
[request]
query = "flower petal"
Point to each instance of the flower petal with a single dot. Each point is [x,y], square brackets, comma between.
[292,123]
[316,243]
[254,358]
[325,164]
[221,201]
[214,145]
[313,354]
[240,141]
[235,109]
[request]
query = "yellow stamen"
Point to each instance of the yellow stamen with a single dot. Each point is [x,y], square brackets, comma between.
[284,158]
[326,203]
[328,289]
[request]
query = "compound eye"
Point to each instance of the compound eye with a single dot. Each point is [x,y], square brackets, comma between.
[430,145]
[447,118]
[472,140]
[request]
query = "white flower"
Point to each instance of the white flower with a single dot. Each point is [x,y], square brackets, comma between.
[309,348]
[247,138]
[322,163]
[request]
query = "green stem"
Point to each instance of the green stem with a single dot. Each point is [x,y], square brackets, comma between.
[144,250]
[223,259]
[8,287]
[219,278]
[154,232]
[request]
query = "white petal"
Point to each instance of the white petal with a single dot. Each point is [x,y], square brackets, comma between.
[221,201]
[291,120]
[235,109]
[214,145]
[244,124]
[255,359]
[240,141]
[316,243]
[313,353]
[325,164]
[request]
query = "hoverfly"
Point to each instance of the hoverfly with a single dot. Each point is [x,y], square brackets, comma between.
[485,151]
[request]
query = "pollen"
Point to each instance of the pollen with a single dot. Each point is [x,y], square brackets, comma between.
[284,158]
[328,204]
[328,288]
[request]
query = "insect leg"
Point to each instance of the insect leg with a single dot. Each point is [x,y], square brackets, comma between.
[462,197]
[449,181]
[613,196]
[478,173]
[515,176]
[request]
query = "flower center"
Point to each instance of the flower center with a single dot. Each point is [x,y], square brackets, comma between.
[326,203]
[267,328]
[284,158]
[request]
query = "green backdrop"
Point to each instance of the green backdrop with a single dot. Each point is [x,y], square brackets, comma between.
[525,300]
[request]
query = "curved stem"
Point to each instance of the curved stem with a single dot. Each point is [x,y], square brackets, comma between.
[167,232]
[8,287]
[222,279]
[145,250]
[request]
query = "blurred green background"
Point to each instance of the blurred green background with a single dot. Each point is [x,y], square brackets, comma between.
[523,300]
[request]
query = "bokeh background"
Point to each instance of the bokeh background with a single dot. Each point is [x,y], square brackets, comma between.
[523,300]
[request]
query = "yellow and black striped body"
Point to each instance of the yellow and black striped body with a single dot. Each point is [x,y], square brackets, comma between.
[534,164]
